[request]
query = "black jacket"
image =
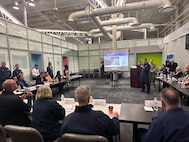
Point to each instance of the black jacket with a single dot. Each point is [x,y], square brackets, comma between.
[13,110]
[45,118]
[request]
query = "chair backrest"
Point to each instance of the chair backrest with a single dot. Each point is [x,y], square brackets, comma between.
[70,137]
[3,136]
[23,134]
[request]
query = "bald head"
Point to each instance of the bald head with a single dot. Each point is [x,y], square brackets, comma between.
[3,64]
[170,97]
[9,85]
[82,94]
[178,69]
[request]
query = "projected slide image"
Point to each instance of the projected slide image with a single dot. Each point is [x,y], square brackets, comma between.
[111,60]
[116,60]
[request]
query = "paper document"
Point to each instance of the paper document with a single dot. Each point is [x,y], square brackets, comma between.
[147,108]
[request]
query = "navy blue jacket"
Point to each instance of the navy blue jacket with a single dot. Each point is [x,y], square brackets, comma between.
[16,72]
[5,73]
[13,110]
[45,118]
[22,83]
[145,70]
[87,121]
[173,126]
[39,80]
[50,71]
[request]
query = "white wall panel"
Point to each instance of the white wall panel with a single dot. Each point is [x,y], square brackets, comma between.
[35,46]
[21,58]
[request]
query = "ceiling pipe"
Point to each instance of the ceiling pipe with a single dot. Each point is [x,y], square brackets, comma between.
[95,32]
[163,5]
[132,20]
[96,21]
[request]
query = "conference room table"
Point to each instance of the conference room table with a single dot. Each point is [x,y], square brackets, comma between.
[173,84]
[70,107]
[52,84]
[135,115]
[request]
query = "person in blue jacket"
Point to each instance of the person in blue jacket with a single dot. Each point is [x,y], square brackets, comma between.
[87,121]
[21,82]
[5,73]
[145,68]
[46,114]
[173,126]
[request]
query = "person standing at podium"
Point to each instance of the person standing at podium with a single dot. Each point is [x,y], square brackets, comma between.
[144,76]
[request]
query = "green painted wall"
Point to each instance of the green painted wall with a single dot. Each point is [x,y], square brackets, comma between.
[155,56]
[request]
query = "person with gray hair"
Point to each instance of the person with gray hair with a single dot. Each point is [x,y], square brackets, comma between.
[87,121]
[172,126]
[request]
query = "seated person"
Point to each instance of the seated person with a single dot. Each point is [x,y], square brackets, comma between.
[58,75]
[46,114]
[163,70]
[87,121]
[48,77]
[12,108]
[21,82]
[41,78]
[172,126]
[178,73]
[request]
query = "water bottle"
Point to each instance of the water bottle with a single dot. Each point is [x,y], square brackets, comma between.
[91,100]
[155,104]
[62,98]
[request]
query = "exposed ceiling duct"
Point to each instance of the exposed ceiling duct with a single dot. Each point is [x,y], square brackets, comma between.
[96,32]
[131,20]
[163,5]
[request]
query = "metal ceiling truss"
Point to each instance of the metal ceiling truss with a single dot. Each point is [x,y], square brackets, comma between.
[65,33]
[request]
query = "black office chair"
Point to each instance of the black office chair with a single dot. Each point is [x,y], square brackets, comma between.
[71,137]
[23,134]
[3,137]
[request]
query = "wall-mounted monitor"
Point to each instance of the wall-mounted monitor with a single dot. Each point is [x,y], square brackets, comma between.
[187,42]
[116,60]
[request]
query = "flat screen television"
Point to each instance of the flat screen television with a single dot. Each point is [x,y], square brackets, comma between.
[187,42]
[116,60]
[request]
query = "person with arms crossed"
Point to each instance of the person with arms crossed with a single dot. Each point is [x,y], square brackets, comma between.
[172,126]
[152,72]
[50,69]
[46,114]
[5,73]
[87,121]
[17,71]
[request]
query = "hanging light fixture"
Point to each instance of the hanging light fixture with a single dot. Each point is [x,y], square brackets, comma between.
[16,6]
[31,3]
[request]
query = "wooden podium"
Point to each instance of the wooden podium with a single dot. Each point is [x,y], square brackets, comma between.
[135,77]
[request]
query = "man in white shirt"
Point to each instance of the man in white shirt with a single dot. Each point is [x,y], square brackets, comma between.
[35,72]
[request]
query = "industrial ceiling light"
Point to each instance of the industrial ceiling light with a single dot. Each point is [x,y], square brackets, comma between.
[167,7]
[16,6]
[31,3]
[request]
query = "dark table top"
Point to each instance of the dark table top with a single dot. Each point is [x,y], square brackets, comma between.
[175,85]
[135,113]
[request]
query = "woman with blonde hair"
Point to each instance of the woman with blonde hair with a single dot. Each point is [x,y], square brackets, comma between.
[46,114]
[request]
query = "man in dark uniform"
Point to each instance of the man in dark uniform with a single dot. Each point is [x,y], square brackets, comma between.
[172,126]
[17,71]
[145,76]
[5,73]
